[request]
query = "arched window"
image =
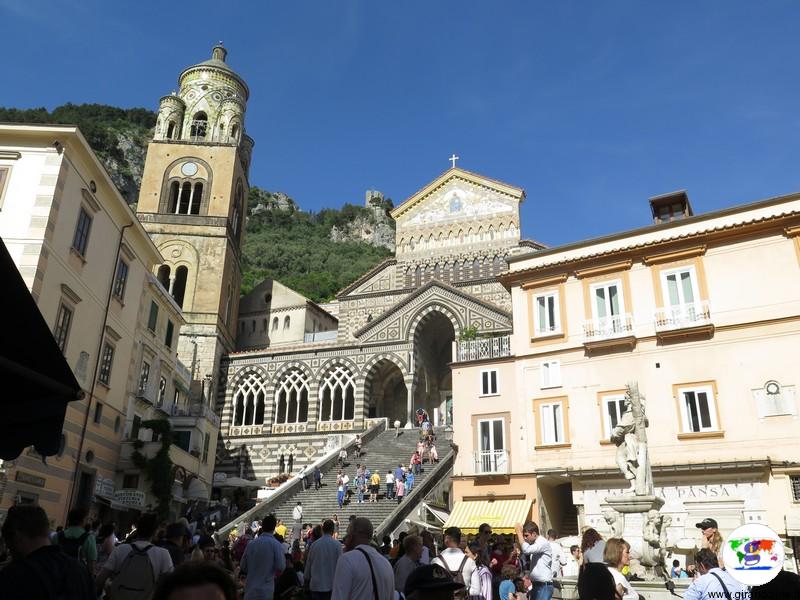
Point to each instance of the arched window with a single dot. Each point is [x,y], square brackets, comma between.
[476,269]
[417,277]
[163,276]
[199,126]
[196,198]
[275,324]
[222,132]
[408,277]
[238,211]
[235,132]
[179,285]
[170,130]
[437,272]
[248,401]
[286,322]
[291,398]
[174,190]
[337,395]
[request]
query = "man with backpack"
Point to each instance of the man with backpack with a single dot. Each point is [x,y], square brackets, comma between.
[39,570]
[135,567]
[76,541]
[456,563]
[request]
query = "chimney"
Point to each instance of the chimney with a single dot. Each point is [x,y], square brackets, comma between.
[670,207]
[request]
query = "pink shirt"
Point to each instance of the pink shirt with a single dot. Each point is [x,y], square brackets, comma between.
[401,487]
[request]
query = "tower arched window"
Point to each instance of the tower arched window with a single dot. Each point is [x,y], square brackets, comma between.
[238,211]
[275,324]
[171,130]
[179,285]
[248,401]
[197,196]
[291,398]
[235,132]
[337,395]
[222,132]
[185,197]
[286,322]
[174,192]
[163,276]
[199,126]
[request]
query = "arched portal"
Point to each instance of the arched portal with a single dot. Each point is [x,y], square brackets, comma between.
[433,353]
[385,393]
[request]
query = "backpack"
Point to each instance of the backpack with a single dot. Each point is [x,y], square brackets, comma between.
[458,577]
[135,579]
[73,546]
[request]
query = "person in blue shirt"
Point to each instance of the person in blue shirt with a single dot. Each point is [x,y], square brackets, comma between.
[409,481]
[713,581]
[263,559]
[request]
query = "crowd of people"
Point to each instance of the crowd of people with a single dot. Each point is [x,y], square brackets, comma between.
[267,560]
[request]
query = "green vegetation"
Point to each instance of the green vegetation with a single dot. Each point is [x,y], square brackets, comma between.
[295,248]
[158,469]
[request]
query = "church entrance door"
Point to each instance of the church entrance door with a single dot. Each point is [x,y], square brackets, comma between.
[386,394]
[433,352]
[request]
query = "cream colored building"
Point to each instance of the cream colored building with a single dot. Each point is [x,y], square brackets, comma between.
[704,313]
[85,258]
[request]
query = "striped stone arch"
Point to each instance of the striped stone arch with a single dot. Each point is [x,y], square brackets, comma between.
[435,306]
[226,418]
[364,381]
[294,364]
[336,361]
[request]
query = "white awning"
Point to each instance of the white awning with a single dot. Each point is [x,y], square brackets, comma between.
[440,515]
[197,490]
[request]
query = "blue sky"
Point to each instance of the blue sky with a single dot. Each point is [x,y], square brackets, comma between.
[591,107]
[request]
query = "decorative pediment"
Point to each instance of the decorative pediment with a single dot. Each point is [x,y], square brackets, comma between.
[378,279]
[463,310]
[459,195]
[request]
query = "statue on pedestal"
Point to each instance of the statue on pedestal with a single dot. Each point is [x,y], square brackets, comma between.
[630,436]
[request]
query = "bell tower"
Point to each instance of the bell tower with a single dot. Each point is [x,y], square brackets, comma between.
[192,203]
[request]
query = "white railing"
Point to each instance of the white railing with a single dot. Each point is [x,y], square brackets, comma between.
[184,373]
[194,410]
[484,348]
[491,462]
[320,336]
[682,316]
[607,328]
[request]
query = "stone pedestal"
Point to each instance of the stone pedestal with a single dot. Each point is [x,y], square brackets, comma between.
[630,503]
[633,511]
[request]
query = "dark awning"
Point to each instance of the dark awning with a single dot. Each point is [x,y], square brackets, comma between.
[37,381]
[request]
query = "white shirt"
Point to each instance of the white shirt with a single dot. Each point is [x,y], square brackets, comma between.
[450,559]
[558,557]
[619,578]
[708,586]
[320,567]
[541,556]
[297,513]
[262,558]
[353,581]
[390,478]
[426,556]
[595,553]
[159,558]
[572,568]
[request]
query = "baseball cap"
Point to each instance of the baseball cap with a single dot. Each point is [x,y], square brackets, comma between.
[430,577]
[706,523]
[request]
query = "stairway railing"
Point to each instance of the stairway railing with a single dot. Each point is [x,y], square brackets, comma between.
[418,493]
[294,485]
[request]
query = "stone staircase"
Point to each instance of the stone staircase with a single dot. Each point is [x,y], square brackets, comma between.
[382,453]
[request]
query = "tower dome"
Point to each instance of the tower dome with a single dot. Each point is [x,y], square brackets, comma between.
[215,99]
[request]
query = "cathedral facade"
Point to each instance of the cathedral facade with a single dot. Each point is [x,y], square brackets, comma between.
[383,349]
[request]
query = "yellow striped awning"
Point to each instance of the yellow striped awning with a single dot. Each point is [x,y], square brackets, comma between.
[502,515]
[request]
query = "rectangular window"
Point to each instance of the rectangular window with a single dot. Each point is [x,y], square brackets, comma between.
[613,406]
[63,323]
[698,412]
[182,439]
[135,427]
[81,239]
[546,317]
[551,373]
[795,482]
[551,420]
[489,382]
[130,481]
[162,391]
[206,444]
[680,287]
[106,362]
[144,376]
[4,176]
[98,412]
[491,440]
[152,320]
[169,334]
[120,279]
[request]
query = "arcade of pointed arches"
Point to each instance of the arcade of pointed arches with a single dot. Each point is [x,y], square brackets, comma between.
[424,243]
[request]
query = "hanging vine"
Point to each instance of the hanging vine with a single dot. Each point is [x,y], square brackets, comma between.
[157,469]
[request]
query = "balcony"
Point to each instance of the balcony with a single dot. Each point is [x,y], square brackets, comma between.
[609,332]
[491,462]
[178,456]
[192,411]
[684,320]
[483,349]
[320,336]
